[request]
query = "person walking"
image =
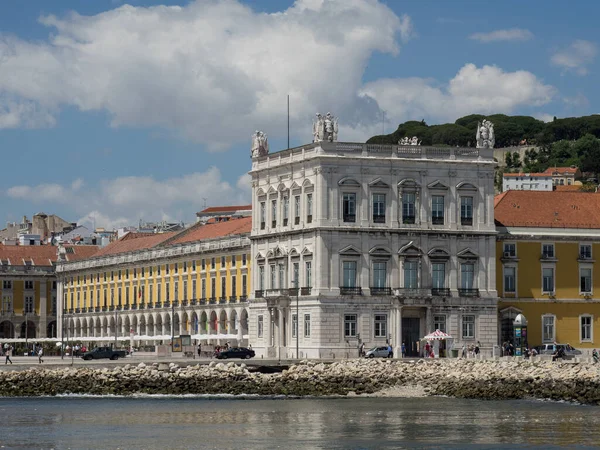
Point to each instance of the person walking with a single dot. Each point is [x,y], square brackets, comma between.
[40,354]
[361,350]
[403,350]
[8,353]
[595,355]
[199,350]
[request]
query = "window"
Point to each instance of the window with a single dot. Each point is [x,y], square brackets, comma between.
[294,325]
[378,208]
[309,207]
[203,263]
[306,325]
[467,271]
[185,289]
[273,213]
[263,215]
[547,280]
[510,250]
[28,285]
[439,323]
[194,265]
[379,274]
[437,209]
[213,288]
[213,263]
[6,284]
[408,207]
[468,327]
[29,303]
[167,291]
[282,282]
[308,274]
[119,296]
[127,295]
[548,251]
[143,269]
[296,210]
[260,327]
[223,265]
[158,293]
[296,275]
[120,274]
[135,272]
[438,277]
[547,328]
[466,210]
[203,288]
[244,285]
[244,260]
[261,278]
[585,251]
[185,266]
[150,294]
[410,274]
[233,258]
[158,270]
[380,325]
[350,322]
[510,284]
[126,274]
[273,276]
[6,304]
[585,280]
[585,325]
[223,287]
[286,210]
[349,278]
[233,286]
[349,207]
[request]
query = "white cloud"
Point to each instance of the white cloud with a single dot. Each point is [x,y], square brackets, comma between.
[124,200]
[210,71]
[544,117]
[484,90]
[512,34]
[576,57]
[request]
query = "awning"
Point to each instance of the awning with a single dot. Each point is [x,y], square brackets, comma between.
[437,335]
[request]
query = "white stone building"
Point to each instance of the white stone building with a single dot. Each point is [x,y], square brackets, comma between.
[526,182]
[386,243]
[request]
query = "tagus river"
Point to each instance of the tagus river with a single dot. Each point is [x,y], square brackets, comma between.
[154,422]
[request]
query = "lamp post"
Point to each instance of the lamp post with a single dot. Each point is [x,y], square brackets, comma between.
[172,323]
[26,330]
[297,322]
[116,324]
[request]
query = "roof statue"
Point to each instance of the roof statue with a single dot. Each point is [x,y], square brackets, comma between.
[409,141]
[260,144]
[485,134]
[325,128]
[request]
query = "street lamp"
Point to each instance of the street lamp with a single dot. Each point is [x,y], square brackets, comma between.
[26,330]
[117,323]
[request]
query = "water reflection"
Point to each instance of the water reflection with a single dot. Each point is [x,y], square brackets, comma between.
[311,423]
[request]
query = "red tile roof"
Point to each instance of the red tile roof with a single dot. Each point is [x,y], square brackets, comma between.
[132,242]
[567,188]
[224,209]
[201,232]
[526,175]
[561,170]
[43,255]
[547,209]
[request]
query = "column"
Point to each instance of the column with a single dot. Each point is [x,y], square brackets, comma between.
[59,307]
[428,321]
[280,340]
[43,309]
[398,349]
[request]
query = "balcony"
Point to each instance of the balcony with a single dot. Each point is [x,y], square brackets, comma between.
[212,301]
[184,302]
[285,222]
[77,310]
[349,217]
[135,306]
[98,309]
[585,256]
[378,219]
[119,307]
[175,302]
[150,305]
[468,292]
[222,300]
[233,298]
[437,220]
[111,308]
[203,301]
[309,218]
[104,308]
[305,290]
[262,227]
[243,298]
[71,310]
[466,221]
[167,303]
[259,294]
[273,223]
[193,302]
[126,308]
[412,292]
[440,292]
[296,220]
[408,220]
[381,291]
[158,305]
[350,290]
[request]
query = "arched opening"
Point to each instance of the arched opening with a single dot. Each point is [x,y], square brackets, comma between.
[7,330]
[27,330]
[51,329]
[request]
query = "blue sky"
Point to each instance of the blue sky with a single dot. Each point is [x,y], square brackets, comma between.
[111,111]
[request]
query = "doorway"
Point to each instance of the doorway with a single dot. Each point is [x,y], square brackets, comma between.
[411,333]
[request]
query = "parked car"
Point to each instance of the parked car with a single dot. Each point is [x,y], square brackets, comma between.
[236,352]
[379,352]
[548,349]
[103,352]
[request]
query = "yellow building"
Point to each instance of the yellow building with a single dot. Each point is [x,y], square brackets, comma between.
[195,281]
[28,289]
[546,266]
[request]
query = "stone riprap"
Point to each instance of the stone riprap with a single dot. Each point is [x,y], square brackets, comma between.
[505,379]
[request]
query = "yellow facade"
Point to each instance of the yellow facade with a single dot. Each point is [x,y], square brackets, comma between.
[567,310]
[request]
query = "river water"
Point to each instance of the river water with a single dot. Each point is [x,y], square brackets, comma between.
[155,422]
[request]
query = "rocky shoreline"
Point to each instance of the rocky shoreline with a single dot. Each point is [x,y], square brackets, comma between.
[503,379]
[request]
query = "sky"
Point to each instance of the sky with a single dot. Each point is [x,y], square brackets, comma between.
[113,112]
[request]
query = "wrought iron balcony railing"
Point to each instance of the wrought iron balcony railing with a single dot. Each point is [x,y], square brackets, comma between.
[381,291]
[350,290]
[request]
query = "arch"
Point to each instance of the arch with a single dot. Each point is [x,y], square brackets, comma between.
[438,253]
[347,181]
[142,326]
[378,183]
[294,252]
[410,249]
[467,253]
[203,323]
[176,325]
[126,326]
[306,251]
[466,186]
[408,183]
[213,323]
[272,190]
[77,327]
[51,330]
[244,322]
[260,192]
[307,183]
[233,322]
[194,323]
[7,330]
[166,328]
[350,250]
[150,327]
[135,324]
[380,251]
[295,186]
[282,187]
[223,325]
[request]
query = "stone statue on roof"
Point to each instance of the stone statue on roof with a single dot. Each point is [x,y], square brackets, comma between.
[260,144]
[325,128]
[485,134]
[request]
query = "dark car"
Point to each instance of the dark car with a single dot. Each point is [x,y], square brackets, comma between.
[236,352]
[567,350]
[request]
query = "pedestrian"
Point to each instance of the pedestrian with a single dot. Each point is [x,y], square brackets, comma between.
[199,350]
[8,353]
[477,349]
[403,350]
[595,355]
[361,350]
[427,349]
[464,351]
[40,354]
[390,351]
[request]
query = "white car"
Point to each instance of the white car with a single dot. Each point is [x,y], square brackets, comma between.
[379,352]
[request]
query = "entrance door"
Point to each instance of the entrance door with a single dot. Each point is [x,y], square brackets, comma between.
[410,334]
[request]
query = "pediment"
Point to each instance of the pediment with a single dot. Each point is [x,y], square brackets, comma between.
[438,253]
[259,255]
[260,192]
[467,253]
[348,182]
[272,190]
[307,252]
[378,183]
[380,251]
[437,184]
[410,249]
[464,186]
[282,187]
[350,251]
[408,182]
[295,186]
[294,252]
[306,183]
